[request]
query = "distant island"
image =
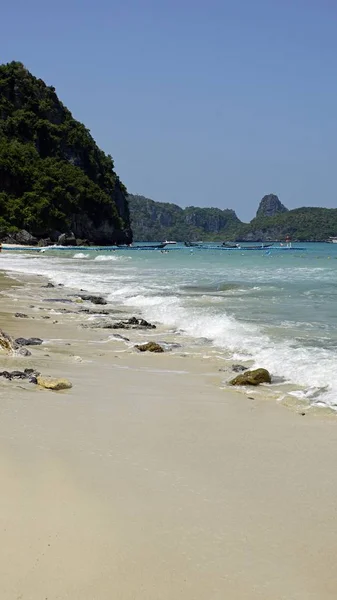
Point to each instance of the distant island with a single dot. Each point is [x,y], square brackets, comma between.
[154,221]
[56,185]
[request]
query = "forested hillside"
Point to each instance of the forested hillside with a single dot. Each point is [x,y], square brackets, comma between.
[53,177]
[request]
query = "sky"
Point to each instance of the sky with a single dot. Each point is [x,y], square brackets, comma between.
[200,103]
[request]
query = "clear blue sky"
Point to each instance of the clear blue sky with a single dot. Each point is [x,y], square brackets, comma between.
[211,103]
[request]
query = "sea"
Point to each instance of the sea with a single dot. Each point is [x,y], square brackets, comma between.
[276,308]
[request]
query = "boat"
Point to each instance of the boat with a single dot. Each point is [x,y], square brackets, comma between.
[332,240]
[230,245]
[193,244]
[169,243]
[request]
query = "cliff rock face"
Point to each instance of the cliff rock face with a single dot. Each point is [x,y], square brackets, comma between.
[53,177]
[269,206]
[155,221]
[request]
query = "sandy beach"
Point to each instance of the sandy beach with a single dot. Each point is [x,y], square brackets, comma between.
[147,480]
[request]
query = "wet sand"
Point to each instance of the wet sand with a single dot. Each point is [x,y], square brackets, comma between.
[148,481]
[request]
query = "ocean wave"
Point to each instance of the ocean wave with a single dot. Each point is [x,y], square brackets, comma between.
[308,367]
[166,295]
[81,255]
[103,258]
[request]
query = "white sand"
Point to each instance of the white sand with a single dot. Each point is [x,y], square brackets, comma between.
[145,483]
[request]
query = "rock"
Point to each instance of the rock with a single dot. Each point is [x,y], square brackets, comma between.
[94,299]
[18,375]
[24,237]
[269,206]
[132,323]
[49,285]
[254,377]
[26,374]
[19,315]
[6,375]
[119,325]
[117,336]
[33,380]
[67,239]
[54,384]
[24,352]
[103,324]
[7,343]
[31,372]
[28,341]
[140,323]
[149,347]
[45,317]
[57,300]
[239,368]
[94,311]
[45,242]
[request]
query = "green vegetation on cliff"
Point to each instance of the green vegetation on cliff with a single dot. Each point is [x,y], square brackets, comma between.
[155,221]
[53,176]
[302,224]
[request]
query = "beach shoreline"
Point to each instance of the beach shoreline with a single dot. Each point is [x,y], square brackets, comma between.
[148,480]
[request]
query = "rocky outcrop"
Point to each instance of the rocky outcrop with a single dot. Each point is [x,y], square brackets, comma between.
[149,347]
[154,221]
[67,239]
[54,180]
[132,323]
[254,377]
[10,346]
[28,341]
[269,206]
[54,384]
[94,299]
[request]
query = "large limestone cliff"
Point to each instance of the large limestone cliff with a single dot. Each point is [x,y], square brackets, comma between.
[269,206]
[53,177]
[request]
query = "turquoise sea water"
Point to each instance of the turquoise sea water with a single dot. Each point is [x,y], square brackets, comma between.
[277,308]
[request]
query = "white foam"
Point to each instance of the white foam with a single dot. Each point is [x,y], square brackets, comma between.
[142,287]
[102,258]
[311,368]
[81,255]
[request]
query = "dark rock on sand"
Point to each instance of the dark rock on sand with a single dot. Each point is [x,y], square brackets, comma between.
[117,336]
[254,377]
[19,315]
[26,374]
[239,368]
[100,324]
[28,341]
[132,323]
[31,372]
[94,299]
[94,311]
[49,285]
[140,323]
[24,352]
[149,347]
[7,343]
[57,300]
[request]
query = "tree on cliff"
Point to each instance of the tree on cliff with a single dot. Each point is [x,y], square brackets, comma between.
[53,176]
